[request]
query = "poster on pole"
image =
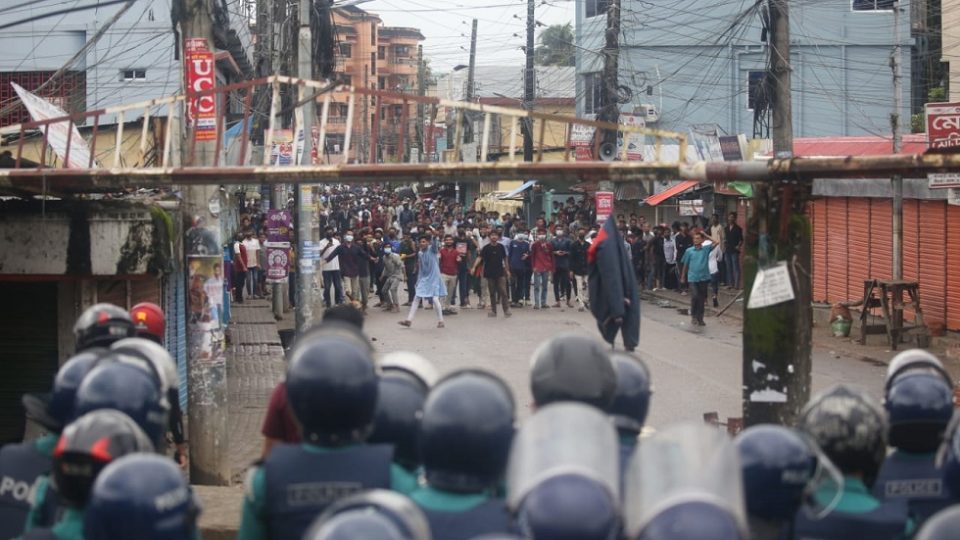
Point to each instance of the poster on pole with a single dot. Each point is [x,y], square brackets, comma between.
[58,133]
[604,202]
[201,110]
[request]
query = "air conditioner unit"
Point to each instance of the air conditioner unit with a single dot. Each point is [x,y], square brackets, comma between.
[649,112]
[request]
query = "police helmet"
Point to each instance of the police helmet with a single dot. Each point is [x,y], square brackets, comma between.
[87,446]
[403,386]
[941,526]
[55,410]
[376,515]
[332,388]
[339,328]
[910,359]
[149,321]
[632,399]
[129,389]
[569,507]
[466,431]
[572,367]
[695,520]
[949,457]
[102,324]
[778,463]
[849,427]
[158,361]
[141,496]
[919,402]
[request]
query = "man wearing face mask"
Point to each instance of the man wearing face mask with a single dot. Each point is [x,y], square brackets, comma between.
[561,267]
[393,272]
[331,268]
[579,269]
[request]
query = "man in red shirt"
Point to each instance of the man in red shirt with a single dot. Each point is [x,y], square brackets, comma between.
[450,259]
[542,255]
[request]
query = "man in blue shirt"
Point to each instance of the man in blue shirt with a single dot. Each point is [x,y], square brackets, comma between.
[696,271]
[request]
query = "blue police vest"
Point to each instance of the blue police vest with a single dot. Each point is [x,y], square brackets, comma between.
[50,508]
[40,534]
[887,522]
[489,517]
[300,484]
[20,466]
[914,479]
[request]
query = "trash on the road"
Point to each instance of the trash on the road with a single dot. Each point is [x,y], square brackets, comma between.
[683,311]
[665,304]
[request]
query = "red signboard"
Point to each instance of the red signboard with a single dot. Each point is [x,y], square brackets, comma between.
[202,110]
[943,125]
[604,205]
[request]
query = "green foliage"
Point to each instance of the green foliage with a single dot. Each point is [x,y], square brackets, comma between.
[556,46]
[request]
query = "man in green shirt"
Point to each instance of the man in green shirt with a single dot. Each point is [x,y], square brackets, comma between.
[696,270]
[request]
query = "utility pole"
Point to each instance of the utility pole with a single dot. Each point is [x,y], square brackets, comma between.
[421,91]
[777,338]
[529,82]
[472,70]
[304,311]
[207,404]
[896,65]
[610,82]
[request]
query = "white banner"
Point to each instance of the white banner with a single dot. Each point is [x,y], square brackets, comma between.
[57,133]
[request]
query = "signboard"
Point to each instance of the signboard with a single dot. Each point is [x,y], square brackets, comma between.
[201,110]
[278,261]
[59,132]
[943,125]
[634,141]
[730,148]
[943,180]
[772,286]
[281,152]
[953,196]
[279,226]
[604,201]
[691,207]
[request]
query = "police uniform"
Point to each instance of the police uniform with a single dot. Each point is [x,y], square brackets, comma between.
[915,478]
[855,514]
[455,516]
[21,465]
[70,527]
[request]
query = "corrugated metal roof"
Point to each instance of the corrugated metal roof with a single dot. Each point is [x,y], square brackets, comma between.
[856,146]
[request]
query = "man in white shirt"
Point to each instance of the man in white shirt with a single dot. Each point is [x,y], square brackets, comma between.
[670,280]
[331,269]
[252,245]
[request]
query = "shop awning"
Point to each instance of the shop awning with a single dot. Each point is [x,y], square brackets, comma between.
[686,185]
[526,185]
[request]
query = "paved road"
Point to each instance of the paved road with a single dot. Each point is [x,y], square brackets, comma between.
[694,371]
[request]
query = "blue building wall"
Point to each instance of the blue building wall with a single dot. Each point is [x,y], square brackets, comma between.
[695,58]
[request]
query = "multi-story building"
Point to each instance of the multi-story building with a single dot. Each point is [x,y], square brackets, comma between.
[704,62]
[950,23]
[379,57]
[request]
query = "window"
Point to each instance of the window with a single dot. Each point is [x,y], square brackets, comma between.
[755,89]
[373,63]
[373,33]
[346,50]
[593,93]
[347,79]
[402,51]
[133,75]
[381,53]
[343,109]
[873,5]
[382,81]
[597,7]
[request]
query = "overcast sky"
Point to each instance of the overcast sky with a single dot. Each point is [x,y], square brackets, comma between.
[446,25]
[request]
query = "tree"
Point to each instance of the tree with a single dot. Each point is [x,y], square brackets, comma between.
[556,46]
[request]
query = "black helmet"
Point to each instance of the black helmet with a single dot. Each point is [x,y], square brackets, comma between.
[571,367]
[102,324]
[777,463]
[87,446]
[850,428]
[332,388]
[129,389]
[632,400]
[404,383]
[919,401]
[466,431]
[55,410]
[376,515]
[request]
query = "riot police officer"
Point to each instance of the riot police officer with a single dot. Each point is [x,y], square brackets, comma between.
[919,404]
[85,448]
[375,514]
[141,496]
[942,526]
[684,484]
[465,436]
[149,321]
[102,324]
[949,460]
[778,464]
[571,367]
[21,465]
[850,428]
[332,388]
[405,380]
[568,495]
[630,404]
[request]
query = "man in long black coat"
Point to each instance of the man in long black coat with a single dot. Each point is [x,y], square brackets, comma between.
[614,298]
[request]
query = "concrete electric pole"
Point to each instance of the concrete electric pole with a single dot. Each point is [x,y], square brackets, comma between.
[529,82]
[777,332]
[304,310]
[421,91]
[206,362]
[610,83]
[897,181]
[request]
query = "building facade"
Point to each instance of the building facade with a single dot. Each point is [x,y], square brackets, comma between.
[950,23]
[703,62]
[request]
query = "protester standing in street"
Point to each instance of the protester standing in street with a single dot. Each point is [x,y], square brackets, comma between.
[732,245]
[696,271]
[408,254]
[519,269]
[465,246]
[239,269]
[392,277]
[332,280]
[252,261]
[561,268]
[429,284]
[449,261]
[496,270]
[579,269]
[542,255]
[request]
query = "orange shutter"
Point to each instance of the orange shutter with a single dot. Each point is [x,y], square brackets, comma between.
[818,222]
[858,233]
[837,250]
[953,267]
[932,222]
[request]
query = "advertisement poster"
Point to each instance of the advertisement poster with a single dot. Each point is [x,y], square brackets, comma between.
[279,225]
[205,294]
[604,201]
[201,110]
[281,152]
[278,261]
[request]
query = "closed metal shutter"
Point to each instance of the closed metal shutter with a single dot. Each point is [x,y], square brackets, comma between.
[881,239]
[858,253]
[817,210]
[932,222]
[28,339]
[953,268]
[837,250]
